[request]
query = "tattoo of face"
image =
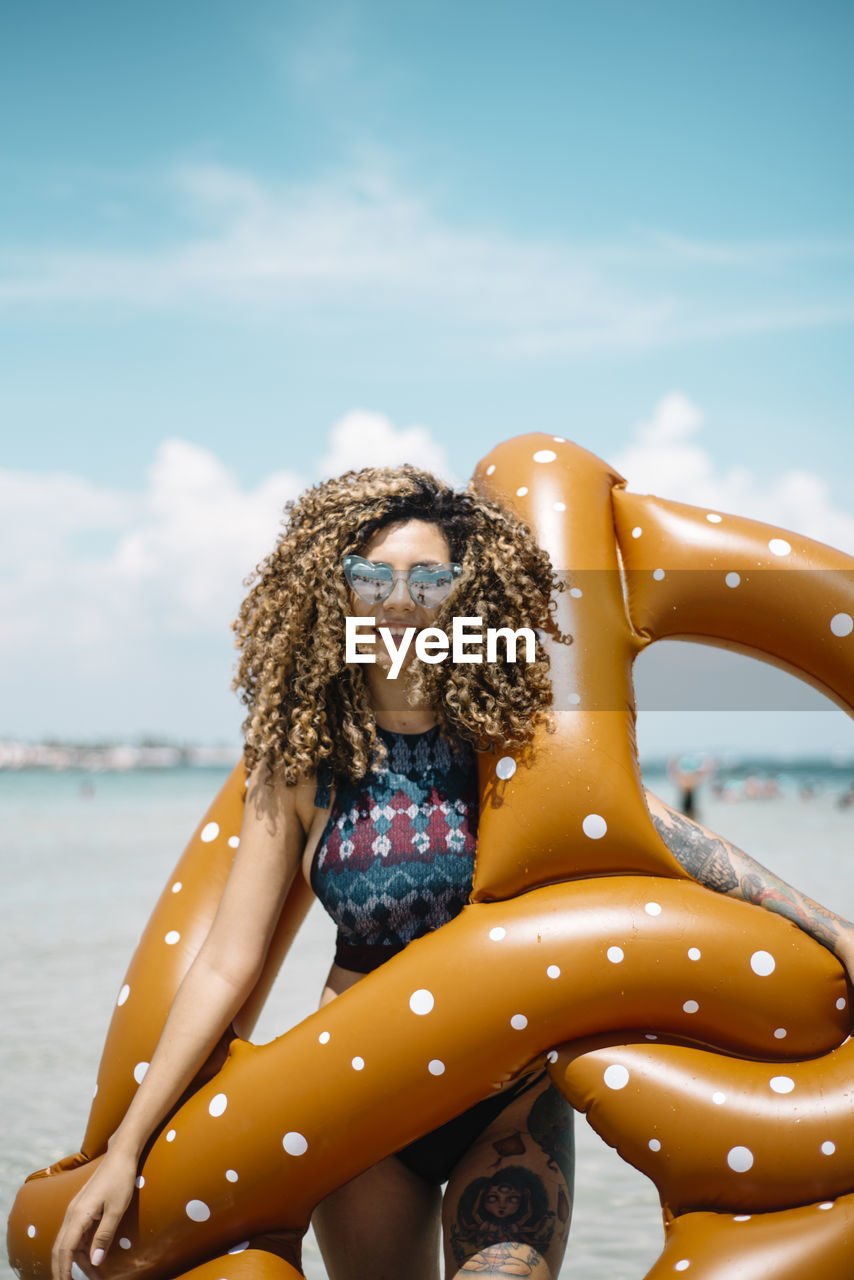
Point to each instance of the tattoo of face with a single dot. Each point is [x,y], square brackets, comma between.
[509,1207]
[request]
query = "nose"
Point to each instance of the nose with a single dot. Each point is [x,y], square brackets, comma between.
[400,594]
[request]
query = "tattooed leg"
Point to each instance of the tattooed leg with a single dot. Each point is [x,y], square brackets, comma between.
[508,1202]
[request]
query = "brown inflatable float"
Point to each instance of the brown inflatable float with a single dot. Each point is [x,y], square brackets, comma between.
[706,1040]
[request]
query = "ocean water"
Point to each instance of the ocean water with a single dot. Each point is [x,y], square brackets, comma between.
[82,869]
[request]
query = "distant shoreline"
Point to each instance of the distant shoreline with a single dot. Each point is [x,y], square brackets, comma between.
[121,757]
[113,757]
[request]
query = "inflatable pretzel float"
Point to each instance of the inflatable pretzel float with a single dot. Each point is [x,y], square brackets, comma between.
[706,1040]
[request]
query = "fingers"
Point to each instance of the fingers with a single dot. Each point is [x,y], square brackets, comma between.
[71,1233]
[103,1236]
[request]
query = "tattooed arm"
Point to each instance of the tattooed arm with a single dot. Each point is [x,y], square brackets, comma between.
[722,866]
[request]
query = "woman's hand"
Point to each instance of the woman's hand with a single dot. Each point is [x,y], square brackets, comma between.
[100,1204]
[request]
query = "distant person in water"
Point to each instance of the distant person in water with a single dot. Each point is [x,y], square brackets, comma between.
[687,773]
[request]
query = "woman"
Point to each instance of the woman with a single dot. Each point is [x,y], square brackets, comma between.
[368,785]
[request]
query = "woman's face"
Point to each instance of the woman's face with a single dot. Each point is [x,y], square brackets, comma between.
[403,546]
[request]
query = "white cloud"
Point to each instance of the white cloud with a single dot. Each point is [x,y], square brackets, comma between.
[666,457]
[100,582]
[364,439]
[95,571]
[358,237]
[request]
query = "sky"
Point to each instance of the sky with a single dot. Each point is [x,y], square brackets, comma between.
[245,247]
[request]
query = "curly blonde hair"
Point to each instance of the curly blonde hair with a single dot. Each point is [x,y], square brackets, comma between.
[307,705]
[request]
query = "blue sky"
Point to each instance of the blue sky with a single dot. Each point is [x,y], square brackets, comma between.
[242,247]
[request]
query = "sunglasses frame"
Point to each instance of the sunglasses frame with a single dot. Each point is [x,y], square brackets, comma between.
[350,562]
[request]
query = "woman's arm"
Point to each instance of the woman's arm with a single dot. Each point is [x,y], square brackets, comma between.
[214,988]
[722,866]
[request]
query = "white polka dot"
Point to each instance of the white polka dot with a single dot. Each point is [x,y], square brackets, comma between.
[95,1090]
[713,517]
[718,1098]
[197,1210]
[841,1002]
[782,1084]
[658,574]
[295,1143]
[740,1159]
[574,698]
[357,1064]
[559,439]
[682,1265]
[177,886]
[649,1036]
[559,506]
[553,971]
[779,547]
[828,1148]
[233,842]
[654,1144]
[497,933]
[123,994]
[323,1038]
[421,1001]
[694,953]
[742,1217]
[436,1067]
[733,579]
[140,1182]
[637,531]
[231,1175]
[31,1231]
[209,832]
[615,955]
[171,1135]
[576,593]
[217,1104]
[490,468]
[139,1072]
[521,491]
[842,624]
[124,1243]
[552,1055]
[545,455]
[763,963]
[653,908]
[616,1076]
[505,768]
[826,1204]
[239,1248]
[518,1022]
[690,1006]
[594,826]
[172,937]
[780,1033]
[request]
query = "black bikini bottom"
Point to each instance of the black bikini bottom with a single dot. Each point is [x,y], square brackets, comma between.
[434,1156]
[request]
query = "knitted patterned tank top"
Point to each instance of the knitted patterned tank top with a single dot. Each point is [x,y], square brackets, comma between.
[395,859]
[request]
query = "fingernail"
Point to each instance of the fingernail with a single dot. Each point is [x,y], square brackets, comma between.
[97,1257]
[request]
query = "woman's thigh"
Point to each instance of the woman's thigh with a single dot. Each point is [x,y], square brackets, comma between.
[382,1225]
[508,1202]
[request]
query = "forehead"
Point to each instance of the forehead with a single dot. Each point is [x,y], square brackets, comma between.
[409,542]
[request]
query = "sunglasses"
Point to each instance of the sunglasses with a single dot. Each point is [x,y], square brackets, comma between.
[373,581]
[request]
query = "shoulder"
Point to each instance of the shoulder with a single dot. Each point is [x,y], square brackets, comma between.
[272,800]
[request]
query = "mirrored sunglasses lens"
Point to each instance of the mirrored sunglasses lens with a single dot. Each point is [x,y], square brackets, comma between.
[371,583]
[430,586]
